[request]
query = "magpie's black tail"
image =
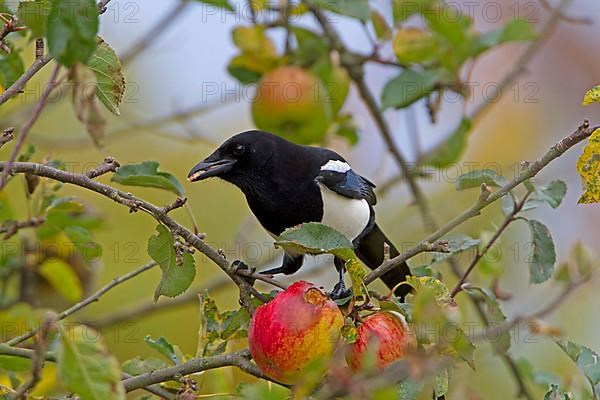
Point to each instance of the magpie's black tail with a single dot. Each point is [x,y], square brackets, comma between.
[370,251]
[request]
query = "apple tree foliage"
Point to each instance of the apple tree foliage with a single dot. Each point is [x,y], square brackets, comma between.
[431,51]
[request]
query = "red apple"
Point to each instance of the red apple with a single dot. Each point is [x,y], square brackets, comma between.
[296,329]
[384,334]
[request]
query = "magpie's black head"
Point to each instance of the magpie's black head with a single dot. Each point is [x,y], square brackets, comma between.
[239,156]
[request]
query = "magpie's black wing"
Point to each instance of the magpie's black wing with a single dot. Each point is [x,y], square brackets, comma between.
[350,184]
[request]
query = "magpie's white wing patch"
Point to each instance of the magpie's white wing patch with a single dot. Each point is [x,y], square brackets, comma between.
[335,166]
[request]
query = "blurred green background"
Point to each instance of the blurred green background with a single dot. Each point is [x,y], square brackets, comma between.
[179,70]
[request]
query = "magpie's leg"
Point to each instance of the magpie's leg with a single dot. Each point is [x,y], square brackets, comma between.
[339,290]
[290,265]
[240,265]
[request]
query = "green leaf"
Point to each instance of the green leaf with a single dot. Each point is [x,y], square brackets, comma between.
[408,87]
[415,46]
[34,14]
[63,278]
[138,366]
[583,258]
[209,333]
[588,167]
[543,257]
[85,104]
[554,393]
[165,348]
[71,30]
[477,178]
[432,324]
[437,287]
[11,363]
[352,8]
[404,9]
[11,67]
[587,361]
[592,96]
[449,23]
[409,389]
[86,368]
[316,238]
[110,81]
[217,329]
[456,244]
[553,193]
[451,149]
[514,31]
[495,315]
[344,126]
[440,383]
[235,324]
[357,274]
[175,279]
[224,4]
[312,47]
[147,174]
[382,30]
[258,54]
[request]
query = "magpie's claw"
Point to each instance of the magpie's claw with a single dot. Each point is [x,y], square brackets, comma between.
[340,292]
[239,265]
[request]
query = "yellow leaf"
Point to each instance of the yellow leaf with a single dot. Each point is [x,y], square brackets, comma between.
[62,277]
[357,274]
[588,167]
[592,96]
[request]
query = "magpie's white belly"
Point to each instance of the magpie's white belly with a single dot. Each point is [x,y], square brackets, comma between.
[348,216]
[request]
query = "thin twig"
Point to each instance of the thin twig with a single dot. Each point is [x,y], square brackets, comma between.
[10,228]
[38,358]
[49,356]
[85,302]
[239,359]
[52,84]
[510,218]
[582,133]
[135,204]
[356,74]
[7,136]
[108,165]
[37,65]
[158,29]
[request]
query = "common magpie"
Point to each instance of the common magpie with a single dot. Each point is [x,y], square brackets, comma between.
[286,184]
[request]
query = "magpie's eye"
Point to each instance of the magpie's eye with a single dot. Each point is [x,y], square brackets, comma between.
[239,149]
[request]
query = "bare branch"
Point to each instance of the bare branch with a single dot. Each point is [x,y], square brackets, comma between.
[355,71]
[7,136]
[52,84]
[10,228]
[87,301]
[155,31]
[507,221]
[135,204]
[109,165]
[240,360]
[582,133]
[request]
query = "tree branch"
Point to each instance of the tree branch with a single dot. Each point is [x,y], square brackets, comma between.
[507,221]
[353,66]
[50,86]
[93,298]
[49,356]
[582,133]
[240,360]
[135,203]
[155,31]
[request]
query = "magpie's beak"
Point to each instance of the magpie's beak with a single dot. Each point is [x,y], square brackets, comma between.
[210,167]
